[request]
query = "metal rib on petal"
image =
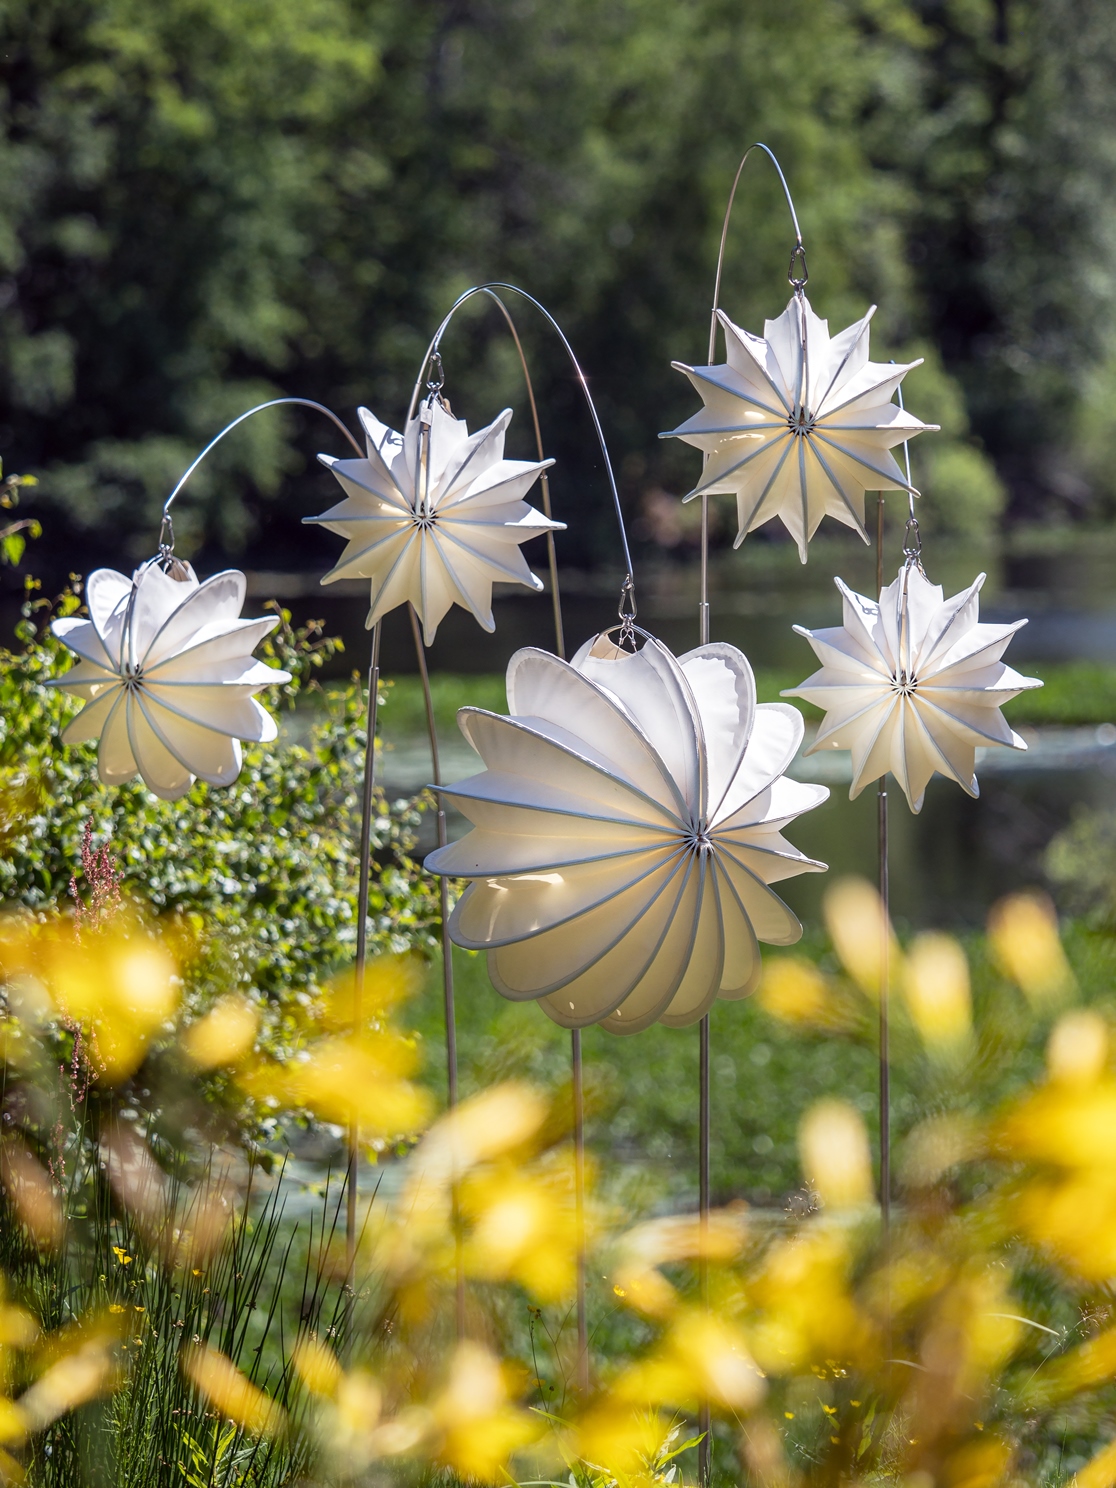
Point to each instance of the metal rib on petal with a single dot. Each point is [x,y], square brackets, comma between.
[615,825]
[798,424]
[169,677]
[913,684]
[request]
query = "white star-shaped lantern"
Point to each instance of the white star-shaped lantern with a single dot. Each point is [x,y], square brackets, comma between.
[913,684]
[626,829]
[798,425]
[435,516]
[166,670]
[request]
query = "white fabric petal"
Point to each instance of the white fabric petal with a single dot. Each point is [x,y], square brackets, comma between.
[167,664]
[602,882]
[913,684]
[430,515]
[798,424]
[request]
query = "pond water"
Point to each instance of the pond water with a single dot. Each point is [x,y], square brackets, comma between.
[953,860]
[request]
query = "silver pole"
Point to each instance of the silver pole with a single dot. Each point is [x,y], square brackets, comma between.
[362,941]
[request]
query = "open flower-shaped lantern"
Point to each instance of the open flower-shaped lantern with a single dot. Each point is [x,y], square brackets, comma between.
[167,674]
[913,684]
[626,829]
[435,516]
[798,425]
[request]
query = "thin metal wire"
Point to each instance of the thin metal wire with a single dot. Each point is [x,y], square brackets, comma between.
[798,283]
[885,950]
[798,255]
[259,408]
[490,290]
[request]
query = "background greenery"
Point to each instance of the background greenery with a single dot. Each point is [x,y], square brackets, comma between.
[204,204]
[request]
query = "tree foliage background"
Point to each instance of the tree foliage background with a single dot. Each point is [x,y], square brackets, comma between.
[204,204]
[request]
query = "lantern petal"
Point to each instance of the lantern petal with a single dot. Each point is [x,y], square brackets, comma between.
[598,960]
[115,761]
[542,688]
[514,907]
[430,514]
[651,687]
[545,758]
[106,597]
[178,693]
[597,856]
[772,921]
[218,600]
[91,720]
[776,735]
[701,981]
[656,988]
[798,424]
[743,964]
[82,638]
[724,690]
[212,757]
[167,776]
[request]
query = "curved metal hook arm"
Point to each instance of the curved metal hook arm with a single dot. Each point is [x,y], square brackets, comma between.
[259,408]
[490,290]
[798,282]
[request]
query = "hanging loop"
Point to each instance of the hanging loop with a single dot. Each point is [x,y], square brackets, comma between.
[436,379]
[582,381]
[796,272]
[166,537]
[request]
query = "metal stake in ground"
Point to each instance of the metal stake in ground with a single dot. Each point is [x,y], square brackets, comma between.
[362,943]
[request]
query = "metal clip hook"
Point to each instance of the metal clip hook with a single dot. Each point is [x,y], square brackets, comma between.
[628,610]
[166,536]
[798,282]
[912,543]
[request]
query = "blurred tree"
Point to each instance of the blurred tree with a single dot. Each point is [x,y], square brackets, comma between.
[207,204]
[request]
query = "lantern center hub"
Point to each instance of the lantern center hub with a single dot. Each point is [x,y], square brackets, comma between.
[801,421]
[905,684]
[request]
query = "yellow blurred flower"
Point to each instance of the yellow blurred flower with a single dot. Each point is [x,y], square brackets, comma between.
[861,936]
[701,1358]
[231,1392]
[224,1036]
[316,1365]
[676,1238]
[794,991]
[359,1079]
[836,1159]
[479,1429]
[1023,935]
[523,1228]
[804,1308]
[118,984]
[936,983]
[1077,1050]
[619,1440]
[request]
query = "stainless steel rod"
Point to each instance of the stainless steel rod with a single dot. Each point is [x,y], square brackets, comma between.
[352,1178]
[448,1007]
[705,1455]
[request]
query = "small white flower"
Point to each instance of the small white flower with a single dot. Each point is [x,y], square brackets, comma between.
[434,516]
[625,832]
[798,433]
[913,684]
[168,677]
